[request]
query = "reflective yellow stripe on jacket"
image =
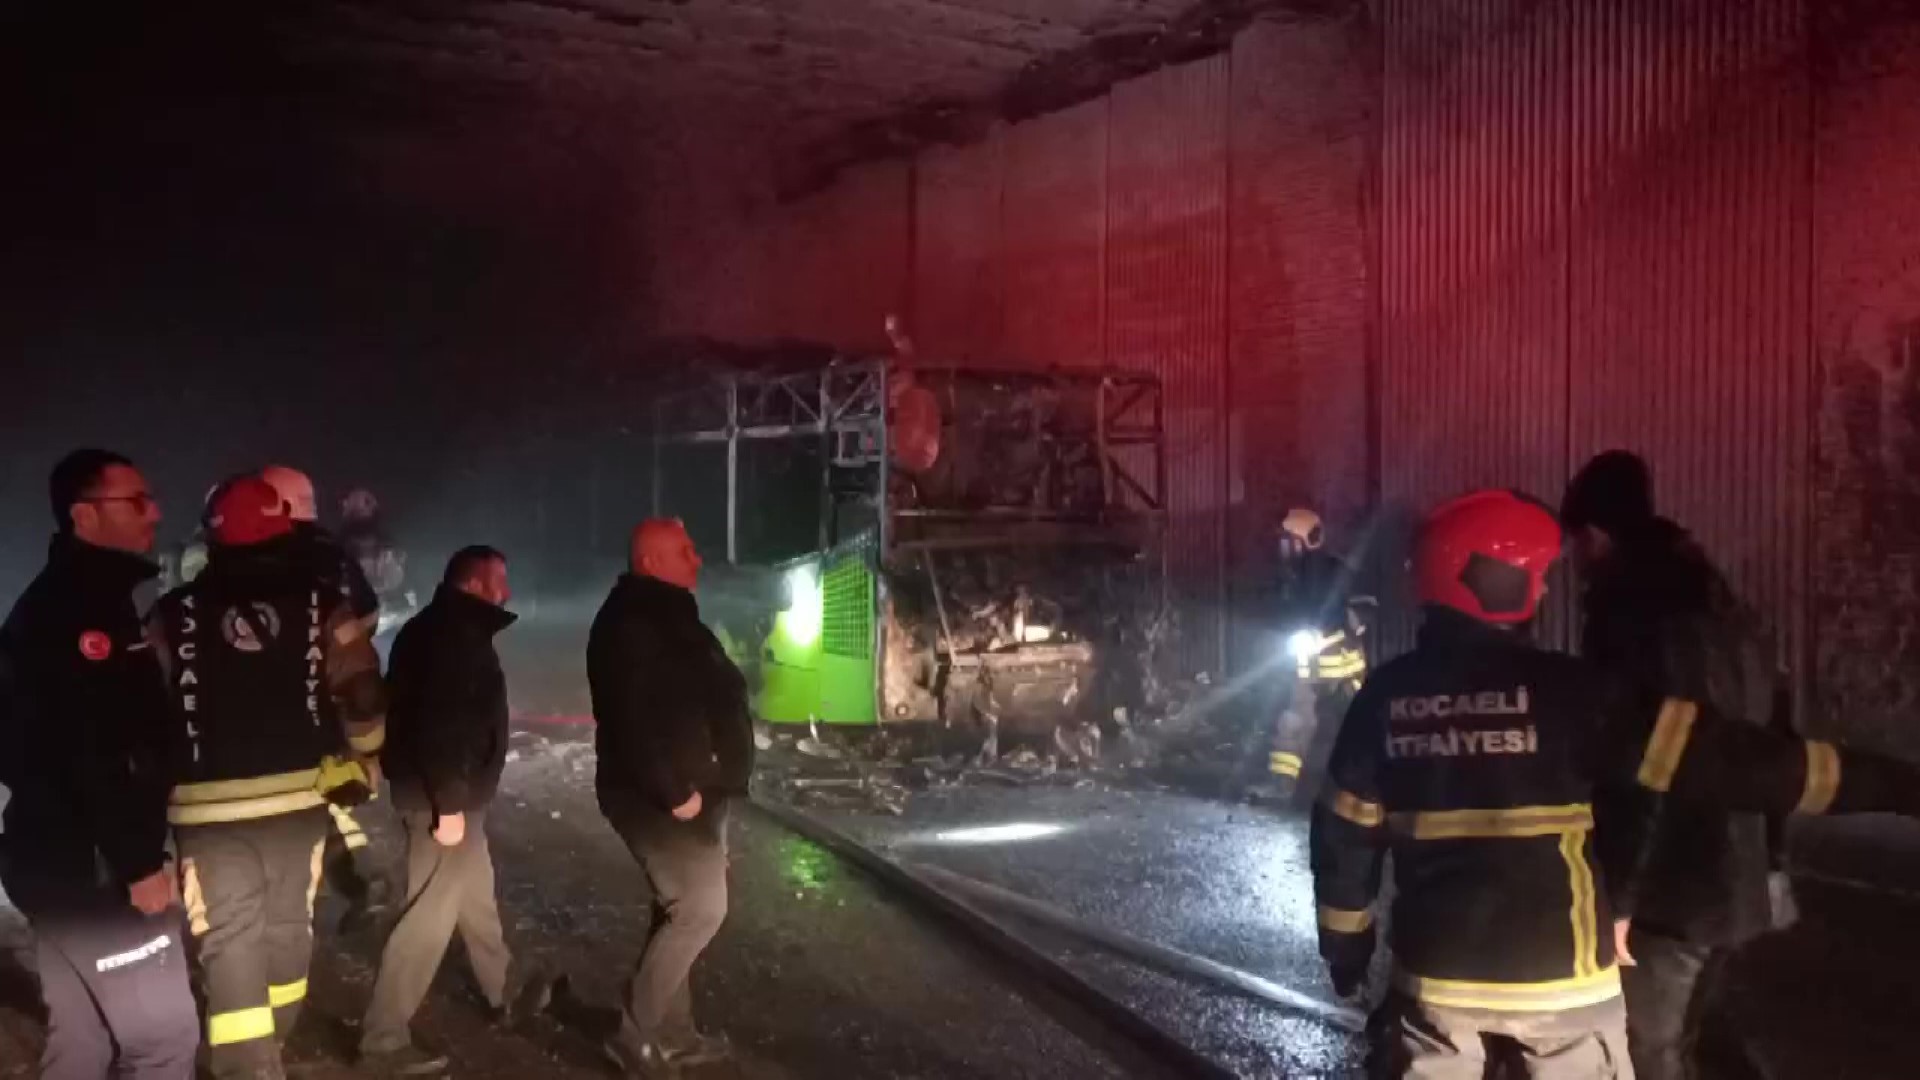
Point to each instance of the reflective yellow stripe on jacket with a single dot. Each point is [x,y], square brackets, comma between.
[1362,812]
[1503,823]
[1823,779]
[1554,996]
[214,801]
[1338,664]
[1671,733]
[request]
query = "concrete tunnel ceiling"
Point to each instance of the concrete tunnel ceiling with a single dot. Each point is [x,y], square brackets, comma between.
[817,83]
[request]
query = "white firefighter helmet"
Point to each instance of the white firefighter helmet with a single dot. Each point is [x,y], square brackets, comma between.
[295,488]
[1303,527]
[206,504]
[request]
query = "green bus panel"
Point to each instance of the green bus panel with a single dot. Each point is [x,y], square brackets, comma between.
[821,664]
[846,690]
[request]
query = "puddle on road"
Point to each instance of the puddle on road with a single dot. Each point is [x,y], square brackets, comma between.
[806,867]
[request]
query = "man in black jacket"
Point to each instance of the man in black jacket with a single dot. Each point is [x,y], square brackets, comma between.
[446,747]
[1660,618]
[83,854]
[675,745]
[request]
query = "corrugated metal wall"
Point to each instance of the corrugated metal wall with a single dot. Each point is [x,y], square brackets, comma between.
[1688,274]
[957,285]
[1053,229]
[714,262]
[873,238]
[1866,304]
[720,283]
[843,258]
[1302,114]
[1595,237]
[1473,277]
[1473,270]
[802,284]
[1166,304]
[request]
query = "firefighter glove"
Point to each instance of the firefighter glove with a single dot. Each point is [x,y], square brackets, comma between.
[344,781]
[1349,980]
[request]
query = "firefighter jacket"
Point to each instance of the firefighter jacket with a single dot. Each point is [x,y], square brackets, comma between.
[273,682]
[670,710]
[81,709]
[1660,618]
[447,733]
[1515,789]
[1312,597]
[1312,592]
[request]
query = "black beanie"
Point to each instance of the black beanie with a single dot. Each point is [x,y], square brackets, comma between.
[1613,492]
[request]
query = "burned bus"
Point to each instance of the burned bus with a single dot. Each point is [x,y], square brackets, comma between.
[913,545]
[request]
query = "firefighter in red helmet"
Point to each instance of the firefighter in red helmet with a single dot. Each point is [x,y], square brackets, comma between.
[277,709]
[1515,790]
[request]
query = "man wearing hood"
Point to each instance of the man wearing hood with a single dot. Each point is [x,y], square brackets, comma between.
[1659,617]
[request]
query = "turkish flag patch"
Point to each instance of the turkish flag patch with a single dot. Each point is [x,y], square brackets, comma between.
[95,645]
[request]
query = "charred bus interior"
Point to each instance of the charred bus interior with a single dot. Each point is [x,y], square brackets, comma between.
[971,548]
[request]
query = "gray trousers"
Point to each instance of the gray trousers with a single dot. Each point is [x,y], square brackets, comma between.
[686,865]
[1673,994]
[448,889]
[249,889]
[1408,1040]
[115,986]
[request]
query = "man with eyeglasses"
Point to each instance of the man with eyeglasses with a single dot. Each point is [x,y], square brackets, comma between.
[83,855]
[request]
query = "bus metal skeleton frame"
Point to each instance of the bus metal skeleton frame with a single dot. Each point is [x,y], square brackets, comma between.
[844,407]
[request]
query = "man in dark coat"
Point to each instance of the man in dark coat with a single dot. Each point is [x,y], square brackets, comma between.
[1660,618]
[446,747]
[83,854]
[675,745]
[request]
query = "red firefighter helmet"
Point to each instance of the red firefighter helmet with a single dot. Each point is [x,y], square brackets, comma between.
[247,510]
[1486,554]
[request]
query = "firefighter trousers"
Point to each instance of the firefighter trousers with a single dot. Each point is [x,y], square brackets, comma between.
[344,865]
[1296,722]
[1304,733]
[1411,1040]
[249,888]
[115,987]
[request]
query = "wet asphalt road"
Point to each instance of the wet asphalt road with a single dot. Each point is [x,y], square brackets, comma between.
[816,974]
[1837,996]
[819,973]
[1230,883]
